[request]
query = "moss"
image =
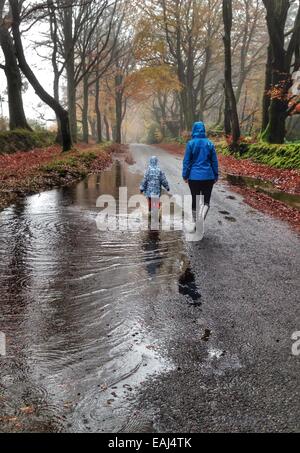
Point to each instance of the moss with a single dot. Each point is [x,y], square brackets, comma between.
[223,149]
[87,158]
[180,140]
[24,140]
[61,167]
[279,156]
[74,165]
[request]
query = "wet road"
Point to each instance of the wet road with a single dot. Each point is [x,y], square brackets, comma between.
[144,332]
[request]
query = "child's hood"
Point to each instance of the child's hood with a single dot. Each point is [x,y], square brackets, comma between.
[153,162]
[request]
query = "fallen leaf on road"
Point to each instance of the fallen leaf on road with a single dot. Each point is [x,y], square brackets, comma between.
[27,409]
[68,404]
[9,419]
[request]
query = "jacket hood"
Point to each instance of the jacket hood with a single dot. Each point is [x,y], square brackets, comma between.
[199,130]
[153,161]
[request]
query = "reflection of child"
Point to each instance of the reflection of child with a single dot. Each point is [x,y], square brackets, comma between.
[154,180]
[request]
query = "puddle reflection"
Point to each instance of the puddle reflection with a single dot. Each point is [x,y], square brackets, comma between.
[75,305]
[265,187]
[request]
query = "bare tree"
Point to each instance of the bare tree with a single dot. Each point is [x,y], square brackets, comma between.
[17,118]
[190,28]
[251,41]
[231,115]
[61,113]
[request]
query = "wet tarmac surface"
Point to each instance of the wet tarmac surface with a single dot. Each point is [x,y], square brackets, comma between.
[141,331]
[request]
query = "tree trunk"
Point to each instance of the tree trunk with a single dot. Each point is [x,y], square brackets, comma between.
[281,78]
[97,111]
[231,107]
[276,19]
[268,85]
[181,117]
[185,77]
[191,101]
[118,106]
[92,123]
[227,119]
[162,117]
[17,118]
[107,132]
[185,101]
[54,58]
[275,131]
[85,109]
[220,114]
[56,97]
[70,68]
[27,71]
[202,81]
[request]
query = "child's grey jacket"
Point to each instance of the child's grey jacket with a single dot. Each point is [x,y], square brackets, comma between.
[154,180]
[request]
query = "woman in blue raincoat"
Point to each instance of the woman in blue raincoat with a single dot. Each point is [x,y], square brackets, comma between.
[200,167]
[154,180]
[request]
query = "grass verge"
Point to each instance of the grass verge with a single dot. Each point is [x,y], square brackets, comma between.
[285,156]
[24,140]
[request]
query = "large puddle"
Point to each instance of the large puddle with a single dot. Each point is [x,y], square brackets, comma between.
[75,307]
[265,187]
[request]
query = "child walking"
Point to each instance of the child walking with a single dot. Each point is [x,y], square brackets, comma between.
[154,180]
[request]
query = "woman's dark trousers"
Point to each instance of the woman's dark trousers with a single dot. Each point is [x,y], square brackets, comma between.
[203,188]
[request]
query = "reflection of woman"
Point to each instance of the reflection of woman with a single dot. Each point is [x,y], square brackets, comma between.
[200,167]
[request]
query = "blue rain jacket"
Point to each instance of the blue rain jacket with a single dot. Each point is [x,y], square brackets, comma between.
[154,180]
[200,161]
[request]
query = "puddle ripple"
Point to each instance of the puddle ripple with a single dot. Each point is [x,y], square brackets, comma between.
[74,308]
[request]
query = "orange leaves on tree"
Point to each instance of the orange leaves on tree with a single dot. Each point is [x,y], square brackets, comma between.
[142,84]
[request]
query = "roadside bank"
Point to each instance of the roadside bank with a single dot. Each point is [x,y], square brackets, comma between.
[244,177]
[30,172]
